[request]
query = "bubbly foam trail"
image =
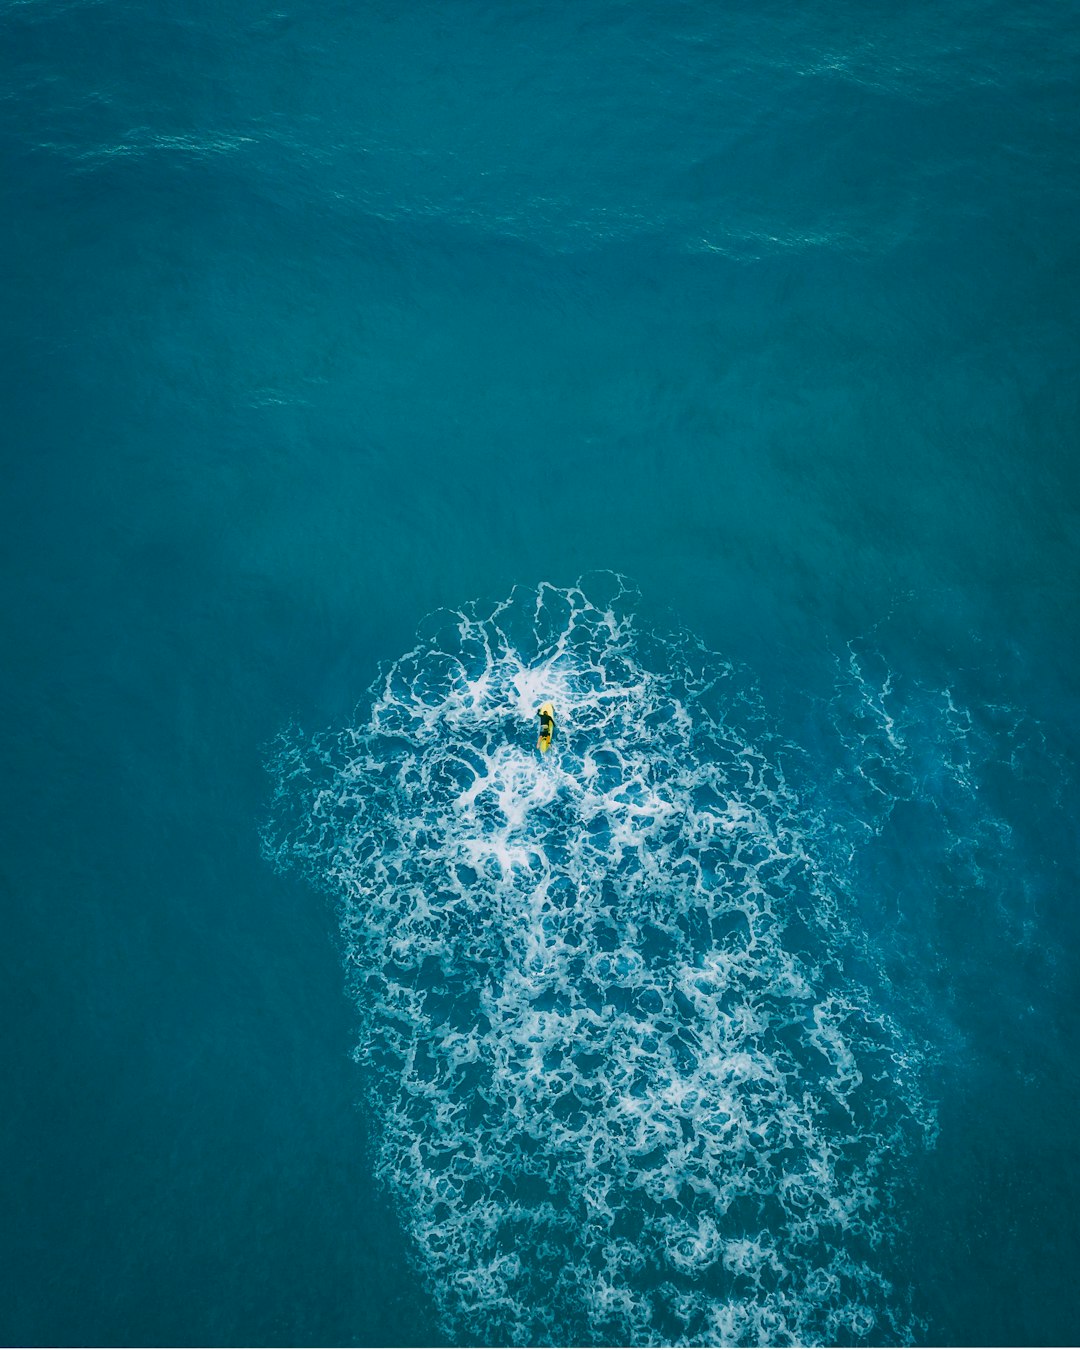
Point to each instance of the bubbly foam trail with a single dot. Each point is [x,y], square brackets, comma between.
[628,1091]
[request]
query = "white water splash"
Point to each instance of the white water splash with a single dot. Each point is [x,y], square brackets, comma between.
[627,1090]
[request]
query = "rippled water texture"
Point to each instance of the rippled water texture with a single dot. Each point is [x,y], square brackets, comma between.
[751,1011]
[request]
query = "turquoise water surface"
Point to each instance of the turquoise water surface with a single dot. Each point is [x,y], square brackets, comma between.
[374,372]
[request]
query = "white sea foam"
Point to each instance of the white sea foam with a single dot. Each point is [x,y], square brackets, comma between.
[627,1089]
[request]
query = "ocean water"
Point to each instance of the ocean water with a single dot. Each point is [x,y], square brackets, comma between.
[374,372]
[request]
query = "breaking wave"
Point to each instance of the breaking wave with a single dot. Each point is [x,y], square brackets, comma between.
[633,1061]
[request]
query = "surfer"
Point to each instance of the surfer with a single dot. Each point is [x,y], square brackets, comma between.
[547,727]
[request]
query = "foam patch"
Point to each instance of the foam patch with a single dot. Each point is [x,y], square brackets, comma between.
[628,1087]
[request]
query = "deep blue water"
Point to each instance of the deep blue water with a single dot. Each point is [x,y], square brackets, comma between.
[317,320]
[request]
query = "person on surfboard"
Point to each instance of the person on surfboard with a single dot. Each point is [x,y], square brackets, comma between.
[547,727]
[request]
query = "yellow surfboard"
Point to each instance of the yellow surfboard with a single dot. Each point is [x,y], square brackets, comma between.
[547,727]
